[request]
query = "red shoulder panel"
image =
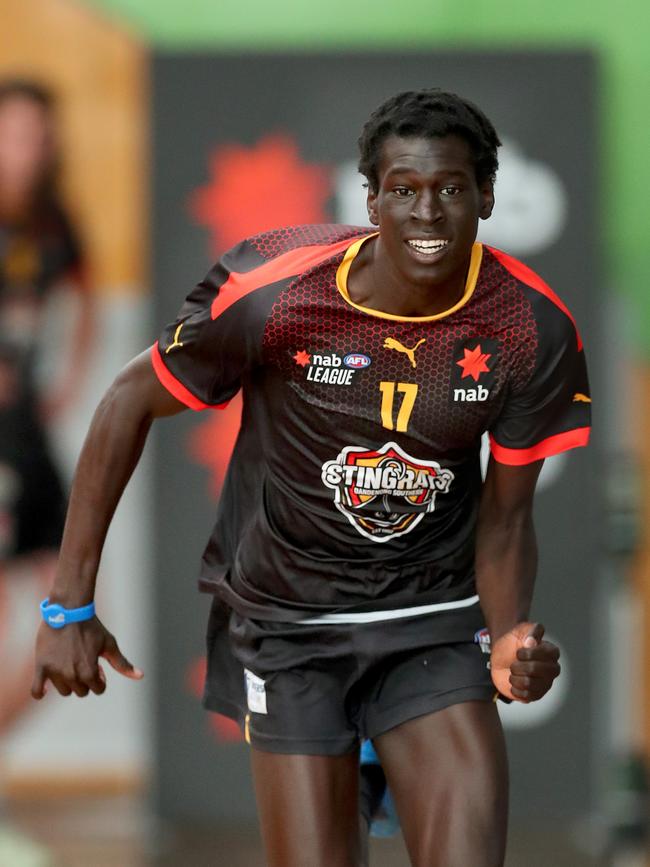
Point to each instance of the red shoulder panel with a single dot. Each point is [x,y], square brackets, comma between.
[530,278]
[289,264]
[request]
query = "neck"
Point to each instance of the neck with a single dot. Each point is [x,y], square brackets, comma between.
[374,282]
[15,199]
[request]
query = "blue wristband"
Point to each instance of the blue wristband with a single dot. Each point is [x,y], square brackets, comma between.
[57,616]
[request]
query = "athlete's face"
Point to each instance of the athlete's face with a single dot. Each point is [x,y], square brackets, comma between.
[25,143]
[427,206]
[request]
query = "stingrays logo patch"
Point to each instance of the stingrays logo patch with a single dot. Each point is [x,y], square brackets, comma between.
[384,493]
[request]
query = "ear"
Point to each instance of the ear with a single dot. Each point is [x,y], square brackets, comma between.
[371,204]
[487,200]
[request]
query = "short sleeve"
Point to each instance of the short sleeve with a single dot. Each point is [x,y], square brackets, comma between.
[201,356]
[217,337]
[551,411]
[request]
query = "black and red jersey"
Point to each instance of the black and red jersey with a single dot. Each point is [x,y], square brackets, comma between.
[353,489]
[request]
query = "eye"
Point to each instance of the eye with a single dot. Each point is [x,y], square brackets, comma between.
[451,190]
[402,192]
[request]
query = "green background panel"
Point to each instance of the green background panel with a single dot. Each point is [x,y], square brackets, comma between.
[620,36]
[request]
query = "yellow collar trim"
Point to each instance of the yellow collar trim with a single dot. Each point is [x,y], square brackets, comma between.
[344,270]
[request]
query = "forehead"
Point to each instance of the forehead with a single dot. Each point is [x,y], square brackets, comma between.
[22,109]
[428,156]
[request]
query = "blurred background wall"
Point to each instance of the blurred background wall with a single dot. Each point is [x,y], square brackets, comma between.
[98,72]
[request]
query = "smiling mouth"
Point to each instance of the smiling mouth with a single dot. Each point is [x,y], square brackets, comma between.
[427,248]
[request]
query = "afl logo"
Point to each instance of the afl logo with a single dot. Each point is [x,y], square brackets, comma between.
[356,361]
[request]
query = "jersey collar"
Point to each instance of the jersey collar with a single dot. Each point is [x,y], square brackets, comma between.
[352,251]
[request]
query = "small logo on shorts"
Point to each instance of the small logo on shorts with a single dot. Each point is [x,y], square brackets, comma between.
[255,692]
[482,638]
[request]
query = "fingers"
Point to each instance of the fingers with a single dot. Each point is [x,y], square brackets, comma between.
[534,636]
[538,668]
[71,661]
[60,683]
[531,681]
[70,682]
[89,679]
[38,684]
[114,656]
[97,681]
[544,651]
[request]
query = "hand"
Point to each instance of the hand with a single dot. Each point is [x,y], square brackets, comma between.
[69,658]
[523,667]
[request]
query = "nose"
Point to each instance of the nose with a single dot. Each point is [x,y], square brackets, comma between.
[426,208]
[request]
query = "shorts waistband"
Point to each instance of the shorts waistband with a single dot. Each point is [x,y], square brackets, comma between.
[391,614]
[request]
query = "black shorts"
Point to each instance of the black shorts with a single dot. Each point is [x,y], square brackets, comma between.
[318,690]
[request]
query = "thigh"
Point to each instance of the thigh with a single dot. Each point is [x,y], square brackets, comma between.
[309,808]
[448,775]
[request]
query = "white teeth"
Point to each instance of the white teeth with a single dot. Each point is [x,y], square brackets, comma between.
[427,246]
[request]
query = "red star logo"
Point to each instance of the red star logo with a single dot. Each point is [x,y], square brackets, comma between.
[302,358]
[474,363]
[253,188]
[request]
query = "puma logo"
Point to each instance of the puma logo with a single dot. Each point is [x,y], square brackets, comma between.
[391,343]
[581,398]
[176,340]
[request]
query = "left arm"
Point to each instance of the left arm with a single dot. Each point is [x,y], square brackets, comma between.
[523,666]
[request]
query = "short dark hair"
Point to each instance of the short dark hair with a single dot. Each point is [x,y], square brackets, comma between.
[26,88]
[431,113]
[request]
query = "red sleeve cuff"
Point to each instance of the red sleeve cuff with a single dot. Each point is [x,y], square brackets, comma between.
[173,386]
[548,447]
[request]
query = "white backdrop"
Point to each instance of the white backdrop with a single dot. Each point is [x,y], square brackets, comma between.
[105,735]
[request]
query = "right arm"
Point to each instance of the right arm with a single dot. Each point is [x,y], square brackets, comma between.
[68,657]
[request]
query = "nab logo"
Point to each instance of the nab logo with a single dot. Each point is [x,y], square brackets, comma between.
[329,367]
[471,395]
[473,371]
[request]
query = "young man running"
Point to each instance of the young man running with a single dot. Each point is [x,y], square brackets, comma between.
[357,552]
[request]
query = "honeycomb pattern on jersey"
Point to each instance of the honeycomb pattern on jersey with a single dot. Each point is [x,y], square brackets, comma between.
[310,315]
[278,241]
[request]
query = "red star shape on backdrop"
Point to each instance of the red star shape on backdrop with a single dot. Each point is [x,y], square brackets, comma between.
[257,188]
[302,358]
[211,442]
[222,728]
[474,363]
[250,189]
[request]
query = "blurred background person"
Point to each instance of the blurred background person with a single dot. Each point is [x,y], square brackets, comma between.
[40,258]
[31,522]
[41,283]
